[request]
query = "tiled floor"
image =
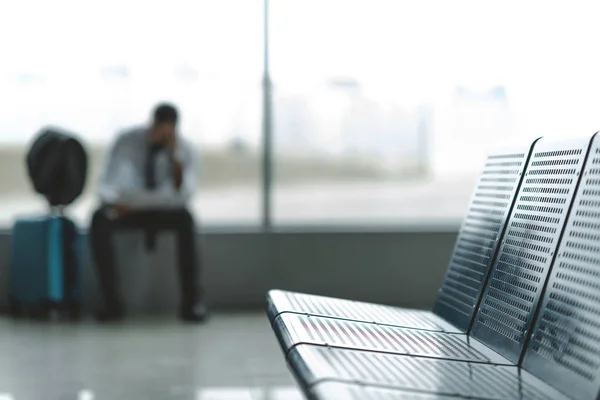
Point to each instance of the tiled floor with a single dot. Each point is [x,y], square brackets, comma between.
[233,356]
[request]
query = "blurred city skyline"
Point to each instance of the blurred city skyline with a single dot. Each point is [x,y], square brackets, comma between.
[365,91]
[334,119]
[385,79]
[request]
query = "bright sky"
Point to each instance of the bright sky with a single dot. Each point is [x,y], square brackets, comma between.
[544,52]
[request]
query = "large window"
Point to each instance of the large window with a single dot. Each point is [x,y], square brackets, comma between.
[382,110]
[96,68]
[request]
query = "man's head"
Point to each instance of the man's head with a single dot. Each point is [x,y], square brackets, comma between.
[163,124]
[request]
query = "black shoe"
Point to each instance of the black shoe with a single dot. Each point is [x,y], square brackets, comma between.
[110,314]
[195,313]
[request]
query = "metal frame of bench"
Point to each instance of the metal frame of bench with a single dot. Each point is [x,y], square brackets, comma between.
[474,252]
[560,352]
[338,390]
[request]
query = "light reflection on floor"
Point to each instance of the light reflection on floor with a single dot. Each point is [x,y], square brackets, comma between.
[274,393]
[234,356]
[216,393]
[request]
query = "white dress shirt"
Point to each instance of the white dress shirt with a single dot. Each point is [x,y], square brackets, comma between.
[126,161]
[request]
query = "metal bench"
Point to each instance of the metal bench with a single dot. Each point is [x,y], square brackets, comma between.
[474,252]
[337,390]
[500,357]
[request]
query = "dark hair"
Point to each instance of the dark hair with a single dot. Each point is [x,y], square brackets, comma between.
[165,113]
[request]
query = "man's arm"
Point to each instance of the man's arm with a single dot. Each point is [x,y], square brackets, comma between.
[184,166]
[177,173]
[118,172]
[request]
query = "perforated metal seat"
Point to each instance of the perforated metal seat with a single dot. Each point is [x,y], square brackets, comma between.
[356,311]
[518,275]
[314,365]
[564,348]
[467,270]
[559,359]
[528,248]
[338,390]
[300,329]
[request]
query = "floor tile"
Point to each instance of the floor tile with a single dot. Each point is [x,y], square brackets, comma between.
[234,356]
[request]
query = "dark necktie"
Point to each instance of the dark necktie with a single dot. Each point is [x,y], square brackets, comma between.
[150,184]
[150,167]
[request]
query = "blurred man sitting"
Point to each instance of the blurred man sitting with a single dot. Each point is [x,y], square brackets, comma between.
[148,160]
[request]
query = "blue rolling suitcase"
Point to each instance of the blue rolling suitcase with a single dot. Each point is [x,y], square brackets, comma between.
[44,268]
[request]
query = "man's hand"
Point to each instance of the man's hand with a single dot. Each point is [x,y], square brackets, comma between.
[157,137]
[171,142]
[171,145]
[121,209]
[177,174]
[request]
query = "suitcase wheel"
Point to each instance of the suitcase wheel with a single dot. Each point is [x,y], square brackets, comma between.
[15,308]
[73,312]
[41,312]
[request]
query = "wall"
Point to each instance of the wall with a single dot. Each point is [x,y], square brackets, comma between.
[397,267]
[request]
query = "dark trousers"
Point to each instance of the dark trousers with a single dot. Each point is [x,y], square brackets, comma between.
[179,221]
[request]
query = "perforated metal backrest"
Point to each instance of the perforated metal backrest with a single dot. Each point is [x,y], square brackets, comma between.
[528,246]
[480,234]
[564,350]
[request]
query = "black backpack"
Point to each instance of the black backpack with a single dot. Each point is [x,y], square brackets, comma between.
[57,164]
